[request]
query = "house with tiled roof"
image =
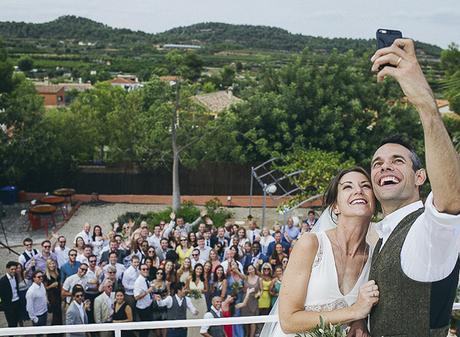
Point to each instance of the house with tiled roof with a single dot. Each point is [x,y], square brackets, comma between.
[218,101]
[443,106]
[80,87]
[170,78]
[127,84]
[53,94]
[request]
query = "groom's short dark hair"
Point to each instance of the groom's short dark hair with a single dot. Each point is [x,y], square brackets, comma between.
[400,140]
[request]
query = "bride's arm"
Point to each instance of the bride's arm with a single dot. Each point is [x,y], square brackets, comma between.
[293,317]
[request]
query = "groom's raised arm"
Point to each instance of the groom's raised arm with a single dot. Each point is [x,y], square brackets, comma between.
[442,161]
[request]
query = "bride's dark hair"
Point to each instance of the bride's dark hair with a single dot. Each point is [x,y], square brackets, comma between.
[330,196]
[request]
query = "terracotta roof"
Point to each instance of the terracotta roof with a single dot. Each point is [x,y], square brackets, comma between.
[48,88]
[121,80]
[442,102]
[169,78]
[217,101]
[77,86]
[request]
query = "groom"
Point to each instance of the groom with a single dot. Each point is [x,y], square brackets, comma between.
[415,263]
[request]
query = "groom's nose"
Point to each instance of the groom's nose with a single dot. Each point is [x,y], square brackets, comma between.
[386,165]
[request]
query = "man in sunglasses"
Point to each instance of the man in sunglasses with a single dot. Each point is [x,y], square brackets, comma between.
[76,312]
[143,294]
[37,304]
[38,261]
[129,278]
[28,251]
[61,250]
[78,278]
[9,294]
[71,267]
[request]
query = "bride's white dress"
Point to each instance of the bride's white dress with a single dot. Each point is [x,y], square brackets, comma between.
[323,293]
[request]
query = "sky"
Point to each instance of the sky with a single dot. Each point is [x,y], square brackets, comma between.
[435,22]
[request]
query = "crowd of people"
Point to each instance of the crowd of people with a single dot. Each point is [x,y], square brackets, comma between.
[151,272]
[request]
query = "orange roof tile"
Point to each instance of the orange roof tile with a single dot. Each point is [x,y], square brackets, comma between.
[217,101]
[48,88]
[121,80]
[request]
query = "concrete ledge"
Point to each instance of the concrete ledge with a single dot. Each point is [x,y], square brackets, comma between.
[200,200]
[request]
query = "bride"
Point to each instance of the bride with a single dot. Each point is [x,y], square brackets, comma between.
[327,271]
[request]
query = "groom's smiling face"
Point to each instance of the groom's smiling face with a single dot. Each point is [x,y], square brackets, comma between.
[393,175]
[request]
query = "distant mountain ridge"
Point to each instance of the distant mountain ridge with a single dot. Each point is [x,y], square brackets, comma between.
[71,27]
[211,34]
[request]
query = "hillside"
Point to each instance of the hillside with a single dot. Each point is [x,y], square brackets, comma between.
[216,36]
[72,27]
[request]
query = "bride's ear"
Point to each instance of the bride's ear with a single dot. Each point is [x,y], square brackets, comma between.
[335,209]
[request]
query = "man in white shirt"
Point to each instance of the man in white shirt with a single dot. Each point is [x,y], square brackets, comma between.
[221,238]
[204,250]
[129,278]
[36,300]
[418,246]
[113,257]
[215,312]
[177,306]
[61,251]
[207,235]
[87,252]
[311,219]
[163,250]
[231,254]
[181,225]
[253,233]
[196,258]
[143,294]
[85,234]
[155,238]
[28,253]
[78,278]
[92,275]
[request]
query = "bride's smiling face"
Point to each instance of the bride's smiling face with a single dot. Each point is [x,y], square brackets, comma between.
[354,196]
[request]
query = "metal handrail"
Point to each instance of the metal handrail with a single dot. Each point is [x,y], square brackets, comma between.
[118,327]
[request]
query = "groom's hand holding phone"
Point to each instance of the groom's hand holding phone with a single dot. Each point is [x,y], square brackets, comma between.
[368,297]
[406,70]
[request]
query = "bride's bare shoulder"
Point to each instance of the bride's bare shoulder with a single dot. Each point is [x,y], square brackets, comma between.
[307,242]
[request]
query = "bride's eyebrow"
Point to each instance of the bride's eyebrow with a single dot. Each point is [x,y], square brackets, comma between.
[346,182]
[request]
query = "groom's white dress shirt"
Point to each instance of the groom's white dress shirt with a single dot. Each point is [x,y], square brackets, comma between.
[431,248]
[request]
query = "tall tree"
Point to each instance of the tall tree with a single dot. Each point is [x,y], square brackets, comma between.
[331,103]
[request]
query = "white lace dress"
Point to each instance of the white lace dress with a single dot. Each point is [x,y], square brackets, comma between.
[323,293]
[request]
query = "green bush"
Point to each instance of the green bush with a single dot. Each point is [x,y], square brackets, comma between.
[215,211]
[188,211]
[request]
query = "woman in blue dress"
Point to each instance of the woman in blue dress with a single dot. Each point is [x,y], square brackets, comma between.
[235,281]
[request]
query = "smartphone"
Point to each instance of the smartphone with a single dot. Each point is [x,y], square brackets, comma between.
[386,37]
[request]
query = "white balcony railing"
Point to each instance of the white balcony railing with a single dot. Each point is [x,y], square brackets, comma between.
[117,328]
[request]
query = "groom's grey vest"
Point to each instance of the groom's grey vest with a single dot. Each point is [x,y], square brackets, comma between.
[216,330]
[406,307]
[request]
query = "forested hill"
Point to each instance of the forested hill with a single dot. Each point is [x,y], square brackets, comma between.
[211,35]
[72,27]
[258,37]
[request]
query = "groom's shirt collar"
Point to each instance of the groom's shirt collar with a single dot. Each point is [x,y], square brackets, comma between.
[385,227]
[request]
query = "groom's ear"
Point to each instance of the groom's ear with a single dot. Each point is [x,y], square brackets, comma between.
[420,177]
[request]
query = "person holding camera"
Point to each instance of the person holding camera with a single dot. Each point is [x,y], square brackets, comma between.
[143,294]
